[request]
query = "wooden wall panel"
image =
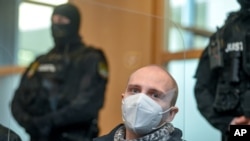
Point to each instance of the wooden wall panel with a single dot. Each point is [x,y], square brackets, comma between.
[125,30]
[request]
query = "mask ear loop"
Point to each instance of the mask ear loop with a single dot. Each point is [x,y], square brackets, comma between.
[160,113]
[166,111]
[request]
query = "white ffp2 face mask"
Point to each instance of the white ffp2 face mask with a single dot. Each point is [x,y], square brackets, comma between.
[141,114]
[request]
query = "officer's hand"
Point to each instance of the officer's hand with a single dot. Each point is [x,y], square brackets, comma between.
[242,120]
[42,125]
[30,128]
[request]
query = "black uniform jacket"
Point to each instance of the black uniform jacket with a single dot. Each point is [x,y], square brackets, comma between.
[62,90]
[222,89]
[205,93]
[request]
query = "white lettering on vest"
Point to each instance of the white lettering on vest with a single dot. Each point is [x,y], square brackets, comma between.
[47,68]
[235,46]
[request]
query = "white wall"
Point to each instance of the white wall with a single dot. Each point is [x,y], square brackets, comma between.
[189,119]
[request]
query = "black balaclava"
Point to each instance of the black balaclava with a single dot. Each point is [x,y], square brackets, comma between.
[245,4]
[66,33]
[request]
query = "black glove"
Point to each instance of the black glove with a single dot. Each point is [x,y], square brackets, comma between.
[40,127]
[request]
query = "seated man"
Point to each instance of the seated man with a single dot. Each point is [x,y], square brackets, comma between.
[148,107]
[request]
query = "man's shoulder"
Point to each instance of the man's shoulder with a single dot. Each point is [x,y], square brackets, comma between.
[176,135]
[87,49]
[7,133]
[110,135]
[95,50]
[89,53]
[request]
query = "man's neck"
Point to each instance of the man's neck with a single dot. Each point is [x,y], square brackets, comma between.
[129,135]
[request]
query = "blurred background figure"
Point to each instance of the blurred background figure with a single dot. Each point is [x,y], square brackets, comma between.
[222,88]
[61,92]
[7,134]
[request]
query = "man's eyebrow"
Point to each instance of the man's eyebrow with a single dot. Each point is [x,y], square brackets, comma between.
[155,90]
[133,85]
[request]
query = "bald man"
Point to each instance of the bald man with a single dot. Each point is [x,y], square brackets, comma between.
[148,107]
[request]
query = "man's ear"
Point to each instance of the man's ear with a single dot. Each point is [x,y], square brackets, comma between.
[171,114]
[123,95]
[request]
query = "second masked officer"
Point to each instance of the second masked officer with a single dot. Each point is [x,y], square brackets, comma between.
[61,92]
[222,89]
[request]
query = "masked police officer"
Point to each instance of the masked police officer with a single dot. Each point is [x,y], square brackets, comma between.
[222,88]
[61,92]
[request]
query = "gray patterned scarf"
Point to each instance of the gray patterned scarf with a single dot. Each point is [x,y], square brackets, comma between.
[162,134]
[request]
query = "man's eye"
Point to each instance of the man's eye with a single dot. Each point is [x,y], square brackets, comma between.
[134,91]
[155,95]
